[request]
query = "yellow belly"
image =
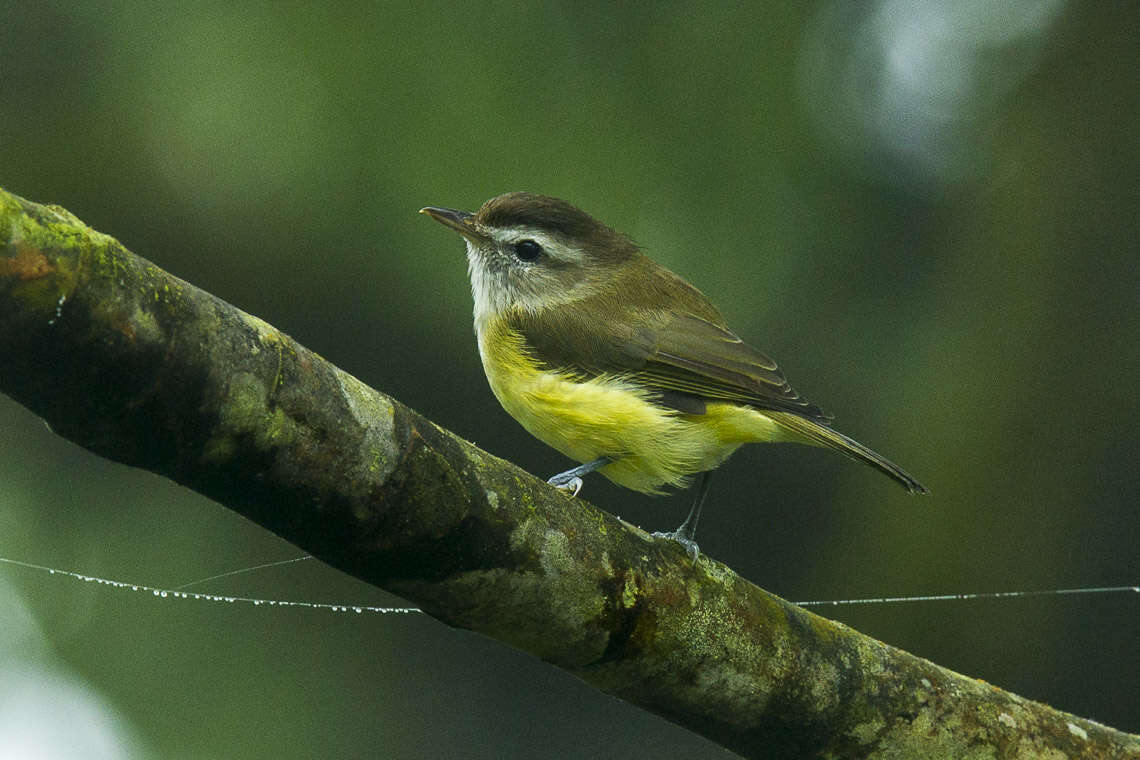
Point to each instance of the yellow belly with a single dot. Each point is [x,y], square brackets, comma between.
[653,447]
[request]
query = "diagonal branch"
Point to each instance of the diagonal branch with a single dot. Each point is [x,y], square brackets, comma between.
[143,368]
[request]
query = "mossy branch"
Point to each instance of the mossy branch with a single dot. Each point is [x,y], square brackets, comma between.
[145,369]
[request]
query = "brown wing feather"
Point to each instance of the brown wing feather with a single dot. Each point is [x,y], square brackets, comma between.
[686,358]
[692,355]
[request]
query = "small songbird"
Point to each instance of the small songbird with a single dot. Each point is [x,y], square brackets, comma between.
[618,363]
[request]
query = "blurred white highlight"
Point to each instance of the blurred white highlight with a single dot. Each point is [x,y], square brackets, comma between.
[909,90]
[47,712]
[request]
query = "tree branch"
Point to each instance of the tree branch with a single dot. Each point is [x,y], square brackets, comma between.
[145,369]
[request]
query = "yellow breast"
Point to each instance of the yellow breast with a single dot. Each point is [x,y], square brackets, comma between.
[608,415]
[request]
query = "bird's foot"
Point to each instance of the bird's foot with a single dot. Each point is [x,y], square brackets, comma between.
[679,536]
[571,480]
[568,482]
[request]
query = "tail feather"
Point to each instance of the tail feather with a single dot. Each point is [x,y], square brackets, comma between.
[821,435]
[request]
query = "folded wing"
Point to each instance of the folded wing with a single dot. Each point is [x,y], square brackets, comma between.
[686,358]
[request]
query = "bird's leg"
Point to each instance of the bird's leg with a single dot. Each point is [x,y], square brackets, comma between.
[571,480]
[686,534]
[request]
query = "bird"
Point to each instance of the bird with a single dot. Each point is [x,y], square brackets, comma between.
[618,363]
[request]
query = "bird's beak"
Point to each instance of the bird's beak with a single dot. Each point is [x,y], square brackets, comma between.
[460,221]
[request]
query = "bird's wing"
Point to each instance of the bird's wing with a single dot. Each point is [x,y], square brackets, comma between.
[691,355]
[686,358]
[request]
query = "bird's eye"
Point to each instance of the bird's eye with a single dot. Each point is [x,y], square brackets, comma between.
[527,250]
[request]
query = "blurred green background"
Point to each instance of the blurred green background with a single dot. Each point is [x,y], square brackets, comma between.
[926,211]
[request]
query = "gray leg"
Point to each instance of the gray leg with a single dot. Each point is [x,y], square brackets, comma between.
[571,480]
[685,534]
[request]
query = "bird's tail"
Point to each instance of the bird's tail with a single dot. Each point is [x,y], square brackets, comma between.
[821,435]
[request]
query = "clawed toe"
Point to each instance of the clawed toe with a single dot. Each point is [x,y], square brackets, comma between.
[571,485]
[690,545]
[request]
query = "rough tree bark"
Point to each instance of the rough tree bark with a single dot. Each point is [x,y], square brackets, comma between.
[143,368]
